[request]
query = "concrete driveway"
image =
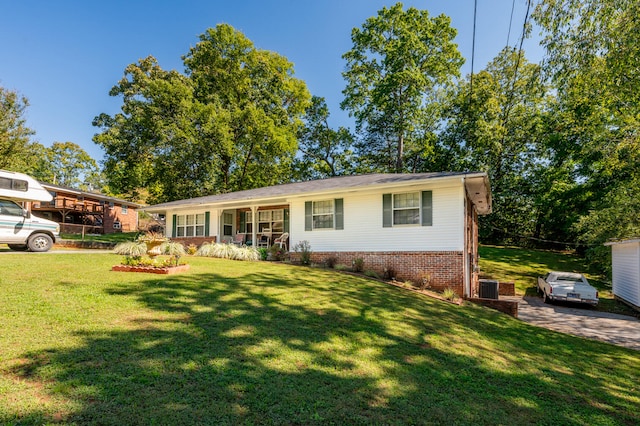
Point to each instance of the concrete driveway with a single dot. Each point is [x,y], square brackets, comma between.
[617,329]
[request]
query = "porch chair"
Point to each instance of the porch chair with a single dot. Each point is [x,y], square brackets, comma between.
[265,238]
[238,240]
[281,241]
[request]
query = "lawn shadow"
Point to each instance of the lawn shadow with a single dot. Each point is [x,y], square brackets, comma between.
[264,348]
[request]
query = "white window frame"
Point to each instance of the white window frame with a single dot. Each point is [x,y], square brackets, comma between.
[124,209]
[314,214]
[190,225]
[394,209]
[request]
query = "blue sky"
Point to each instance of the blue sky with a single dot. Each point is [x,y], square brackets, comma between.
[65,56]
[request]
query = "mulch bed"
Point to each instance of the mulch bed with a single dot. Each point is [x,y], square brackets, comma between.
[166,270]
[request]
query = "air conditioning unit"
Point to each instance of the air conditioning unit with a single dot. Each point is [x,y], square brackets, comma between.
[488,289]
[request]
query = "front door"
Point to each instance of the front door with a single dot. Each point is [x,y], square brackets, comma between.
[14,228]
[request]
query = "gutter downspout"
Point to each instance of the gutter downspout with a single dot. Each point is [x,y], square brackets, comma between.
[465,224]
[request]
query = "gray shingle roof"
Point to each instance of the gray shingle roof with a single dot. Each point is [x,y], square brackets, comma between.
[314,186]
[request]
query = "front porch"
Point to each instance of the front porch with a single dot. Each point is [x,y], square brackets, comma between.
[258,225]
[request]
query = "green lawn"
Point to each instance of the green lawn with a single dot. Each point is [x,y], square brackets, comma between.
[245,343]
[524,266]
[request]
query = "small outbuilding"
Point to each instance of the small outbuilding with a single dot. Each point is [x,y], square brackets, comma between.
[625,262]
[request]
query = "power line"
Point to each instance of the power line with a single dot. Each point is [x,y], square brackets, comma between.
[473,47]
[513,6]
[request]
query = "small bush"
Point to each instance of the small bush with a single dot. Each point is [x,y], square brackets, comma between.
[277,252]
[389,273]
[358,265]
[192,249]
[131,249]
[263,253]
[425,281]
[331,262]
[173,249]
[372,274]
[449,294]
[304,248]
[341,267]
[227,251]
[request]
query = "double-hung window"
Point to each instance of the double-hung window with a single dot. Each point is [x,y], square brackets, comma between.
[407,208]
[324,214]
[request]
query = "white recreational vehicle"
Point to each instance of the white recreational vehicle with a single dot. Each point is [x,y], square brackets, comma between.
[18,227]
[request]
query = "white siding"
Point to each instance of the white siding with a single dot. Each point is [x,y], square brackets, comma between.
[363,230]
[626,271]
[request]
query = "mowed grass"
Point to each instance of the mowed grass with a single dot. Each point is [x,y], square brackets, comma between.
[259,343]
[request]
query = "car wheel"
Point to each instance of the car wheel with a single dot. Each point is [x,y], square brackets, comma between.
[18,247]
[40,242]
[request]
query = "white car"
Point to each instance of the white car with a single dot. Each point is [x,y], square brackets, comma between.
[567,286]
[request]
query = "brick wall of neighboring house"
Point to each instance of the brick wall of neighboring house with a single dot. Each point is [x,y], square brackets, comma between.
[128,222]
[445,267]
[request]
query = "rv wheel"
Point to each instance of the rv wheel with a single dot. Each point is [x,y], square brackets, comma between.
[40,242]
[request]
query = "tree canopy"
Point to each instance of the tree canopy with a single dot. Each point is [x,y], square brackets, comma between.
[399,62]
[16,147]
[229,123]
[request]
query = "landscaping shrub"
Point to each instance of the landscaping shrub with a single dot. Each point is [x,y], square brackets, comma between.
[331,262]
[358,265]
[304,248]
[449,294]
[277,252]
[227,251]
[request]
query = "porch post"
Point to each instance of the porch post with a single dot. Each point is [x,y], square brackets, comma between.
[254,225]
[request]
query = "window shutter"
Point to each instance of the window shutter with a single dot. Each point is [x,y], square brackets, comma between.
[339,213]
[387,211]
[286,220]
[243,222]
[427,208]
[174,225]
[308,219]
[207,216]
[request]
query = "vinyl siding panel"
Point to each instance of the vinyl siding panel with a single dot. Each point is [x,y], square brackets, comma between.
[363,224]
[626,271]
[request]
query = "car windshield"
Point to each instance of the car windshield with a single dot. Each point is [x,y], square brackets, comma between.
[567,278]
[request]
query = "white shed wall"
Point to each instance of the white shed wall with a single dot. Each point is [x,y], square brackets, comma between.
[626,271]
[363,230]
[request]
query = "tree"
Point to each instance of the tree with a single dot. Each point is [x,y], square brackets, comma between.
[395,71]
[15,137]
[69,165]
[592,52]
[498,129]
[325,152]
[228,124]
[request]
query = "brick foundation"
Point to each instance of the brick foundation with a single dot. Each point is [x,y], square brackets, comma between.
[506,288]
[446,267]
[509,307]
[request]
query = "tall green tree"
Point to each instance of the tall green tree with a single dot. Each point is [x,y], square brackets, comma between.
[395,72]
[15,137]
[593,48]
[228,123]
[67,164]
[498,128]
[324,151]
